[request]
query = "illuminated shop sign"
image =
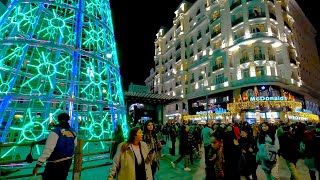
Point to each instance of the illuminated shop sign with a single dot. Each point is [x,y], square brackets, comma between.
[297,118]
[217,111]
[303,110]
[263,98]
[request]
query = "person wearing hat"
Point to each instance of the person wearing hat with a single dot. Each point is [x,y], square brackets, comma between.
[58,151]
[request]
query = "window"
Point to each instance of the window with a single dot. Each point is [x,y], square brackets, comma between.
[220,79]
[257,50]
[191,40]
[191,53]
[260,71]
[199,47]
[217,44]
[246,73]
[192,76]
[238,34]
[217,28]
[219,61]
[199,35]
[198,12]
[208,42]
[215,15]
[256,12]
[255,28]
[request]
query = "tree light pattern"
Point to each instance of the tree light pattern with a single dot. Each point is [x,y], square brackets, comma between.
[58,56]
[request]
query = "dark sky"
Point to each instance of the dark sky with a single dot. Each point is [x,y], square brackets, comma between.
[136,24]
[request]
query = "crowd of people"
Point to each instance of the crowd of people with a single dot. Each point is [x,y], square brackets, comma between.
[230,150]
[236,149]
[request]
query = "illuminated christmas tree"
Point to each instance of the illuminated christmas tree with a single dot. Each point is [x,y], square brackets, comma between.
[58,56]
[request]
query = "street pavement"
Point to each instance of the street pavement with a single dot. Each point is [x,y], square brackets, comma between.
[168,172]
[198,169]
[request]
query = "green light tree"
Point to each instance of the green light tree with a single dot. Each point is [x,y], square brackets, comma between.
[58,56]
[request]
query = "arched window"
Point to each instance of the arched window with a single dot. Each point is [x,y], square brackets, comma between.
[244,53]
[257,50]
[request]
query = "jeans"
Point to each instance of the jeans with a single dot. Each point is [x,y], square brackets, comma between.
[57,170]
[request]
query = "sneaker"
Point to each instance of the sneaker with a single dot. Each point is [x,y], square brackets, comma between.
[173,164]
[187,169]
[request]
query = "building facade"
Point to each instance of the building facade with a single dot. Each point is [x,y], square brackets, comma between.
[216,52]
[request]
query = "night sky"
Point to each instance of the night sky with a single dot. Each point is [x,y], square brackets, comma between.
[136,24]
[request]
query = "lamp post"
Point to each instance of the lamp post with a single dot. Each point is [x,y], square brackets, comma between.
[205,84]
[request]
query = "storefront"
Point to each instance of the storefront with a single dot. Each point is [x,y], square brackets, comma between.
[210,108]
[268,104]
[220,115]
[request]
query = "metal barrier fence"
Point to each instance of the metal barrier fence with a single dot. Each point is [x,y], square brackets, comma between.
[77,163]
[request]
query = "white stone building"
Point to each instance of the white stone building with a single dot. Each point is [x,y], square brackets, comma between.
[217,48]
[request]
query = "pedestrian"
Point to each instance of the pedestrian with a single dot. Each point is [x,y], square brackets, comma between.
[290,146]
[58,151]
[268,146]
[206,137]
[184,147]
[218,157]
[133,159]
[173,137]
[232,154]
[249,150]
[154,144]
[116,140]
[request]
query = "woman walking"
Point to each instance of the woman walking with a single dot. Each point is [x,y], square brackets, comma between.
[154,145]
[268,146]
[133,159]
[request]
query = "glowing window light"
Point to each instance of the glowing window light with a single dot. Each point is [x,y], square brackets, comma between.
[252,71]
[268,70]
[239,75]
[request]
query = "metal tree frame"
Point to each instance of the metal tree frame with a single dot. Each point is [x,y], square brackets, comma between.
[58,56]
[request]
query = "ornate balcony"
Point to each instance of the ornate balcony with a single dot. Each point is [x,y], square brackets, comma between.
[259,57]
[237,21]
[235,5]
[244,60]
[218,66]
[255,15]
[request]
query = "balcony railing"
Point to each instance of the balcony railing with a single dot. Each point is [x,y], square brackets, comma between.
[237,21]
[235,5]
[259,57]
[244,60]
[218,66]
[255,15]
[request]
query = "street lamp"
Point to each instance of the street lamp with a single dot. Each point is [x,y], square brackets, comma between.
[205,84]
